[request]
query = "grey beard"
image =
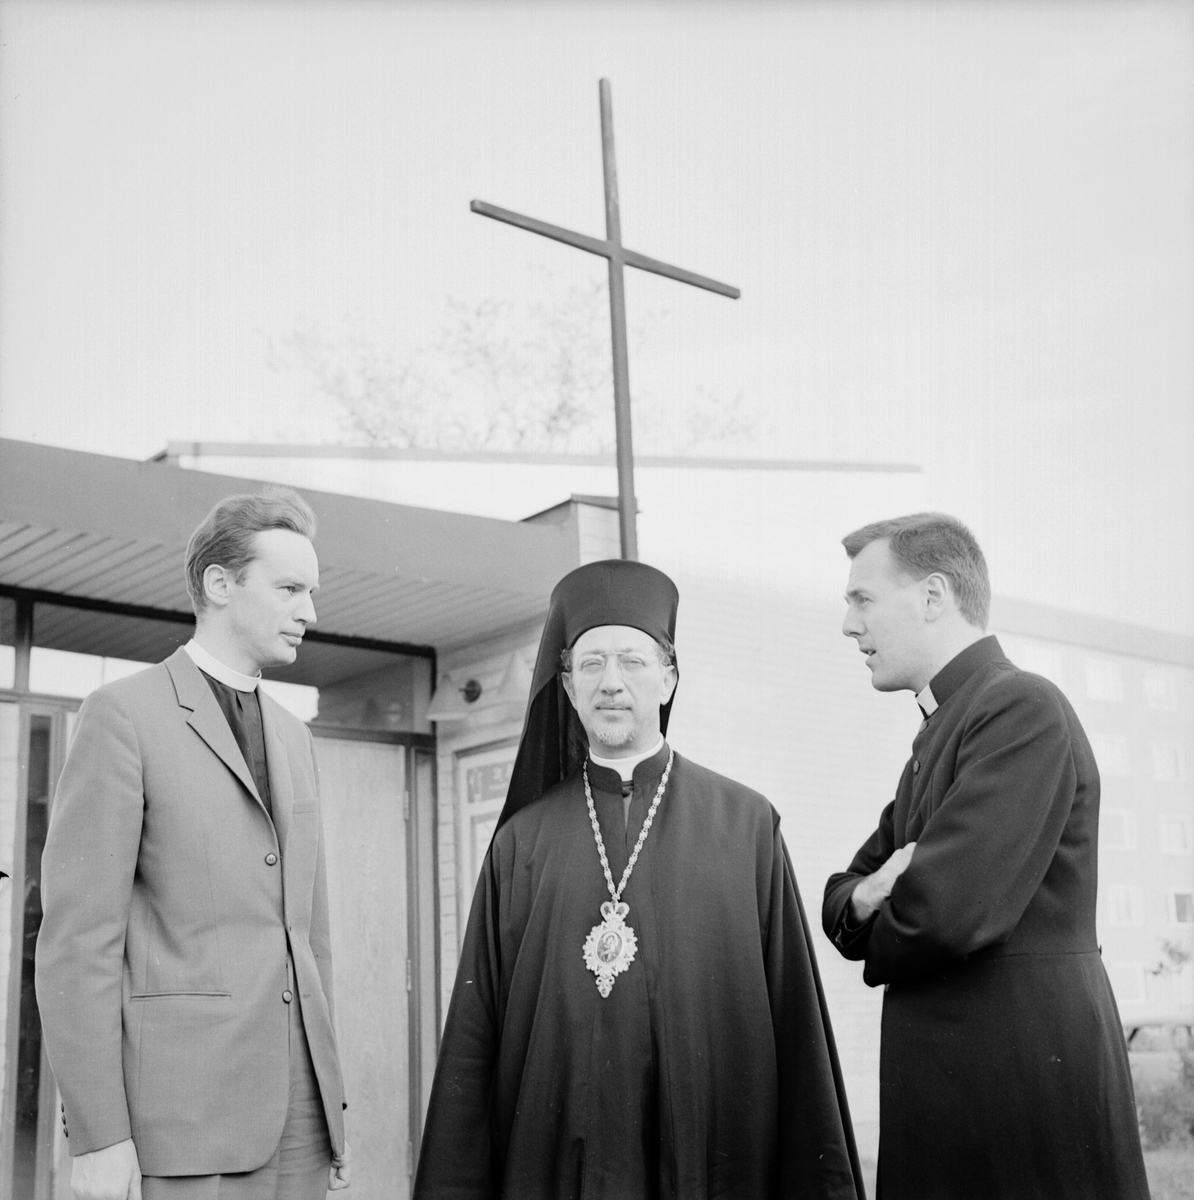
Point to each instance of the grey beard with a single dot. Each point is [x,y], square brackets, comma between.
[613,738]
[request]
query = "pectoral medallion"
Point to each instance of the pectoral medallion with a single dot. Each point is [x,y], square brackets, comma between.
[610,946]
[609,949]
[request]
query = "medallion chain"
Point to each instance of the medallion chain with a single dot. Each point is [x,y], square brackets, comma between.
[616,893]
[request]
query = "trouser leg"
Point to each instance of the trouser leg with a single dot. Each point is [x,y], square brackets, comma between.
[305,1152]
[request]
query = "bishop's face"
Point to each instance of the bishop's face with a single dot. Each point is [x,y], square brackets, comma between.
[617,685]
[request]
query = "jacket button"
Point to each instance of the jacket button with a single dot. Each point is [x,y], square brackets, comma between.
[915,768]
[287,996]
[270,859]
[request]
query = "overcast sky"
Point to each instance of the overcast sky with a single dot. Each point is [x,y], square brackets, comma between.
[964,233]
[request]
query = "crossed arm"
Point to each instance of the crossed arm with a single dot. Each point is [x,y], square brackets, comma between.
[871,890]
[908,910]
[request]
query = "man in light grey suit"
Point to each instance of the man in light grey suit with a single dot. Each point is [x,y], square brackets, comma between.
[184,971]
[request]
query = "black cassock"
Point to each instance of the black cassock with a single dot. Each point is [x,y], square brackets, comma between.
[1003,1074]
[710,1069]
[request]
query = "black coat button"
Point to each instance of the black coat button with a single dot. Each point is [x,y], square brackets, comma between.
[915,765]
[270,859]
[287,996]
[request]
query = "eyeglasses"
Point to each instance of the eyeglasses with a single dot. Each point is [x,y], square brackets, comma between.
[592,666]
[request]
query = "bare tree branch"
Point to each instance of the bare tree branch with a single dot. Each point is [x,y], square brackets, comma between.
[496,377]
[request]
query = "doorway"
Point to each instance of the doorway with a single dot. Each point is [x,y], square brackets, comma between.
[378,811]
[33,738]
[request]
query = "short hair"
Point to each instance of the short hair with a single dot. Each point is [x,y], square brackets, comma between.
[665,646]
[225,536]
[926,542]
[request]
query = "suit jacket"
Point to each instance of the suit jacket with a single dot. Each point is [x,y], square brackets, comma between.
[171,904]
[1003,1069]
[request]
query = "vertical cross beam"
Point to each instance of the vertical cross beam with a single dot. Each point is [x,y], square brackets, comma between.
[627,503]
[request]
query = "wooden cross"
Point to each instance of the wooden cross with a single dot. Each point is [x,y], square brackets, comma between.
[611,248]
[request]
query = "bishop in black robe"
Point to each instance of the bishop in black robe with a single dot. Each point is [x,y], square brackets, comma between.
[710,1068]
[1003,1071]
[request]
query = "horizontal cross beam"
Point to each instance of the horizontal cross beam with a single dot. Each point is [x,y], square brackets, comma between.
[603,248]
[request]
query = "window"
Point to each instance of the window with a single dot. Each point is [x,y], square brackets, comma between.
[1104,680]
[1175,834]
[1111,753]
[1124,905]
[1040,660]
[1162,990]
[1160,689]
[1117,829]
[1181,908]
[1168,762]
[1127,981]
[66,673]
[296,698]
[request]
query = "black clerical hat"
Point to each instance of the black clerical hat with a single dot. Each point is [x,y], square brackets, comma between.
[611,592]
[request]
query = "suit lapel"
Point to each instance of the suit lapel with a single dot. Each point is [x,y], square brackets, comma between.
[281,786]
[207,719]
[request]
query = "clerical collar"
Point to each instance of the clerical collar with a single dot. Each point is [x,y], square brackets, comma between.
[927,701]
[961,667]
[210,665]
[625,766]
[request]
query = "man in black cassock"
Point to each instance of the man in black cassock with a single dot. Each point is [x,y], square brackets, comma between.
[1003,1070]
[667,1040]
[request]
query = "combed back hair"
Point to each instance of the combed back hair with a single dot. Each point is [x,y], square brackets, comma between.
[925,543]
[666,648]
[224,537]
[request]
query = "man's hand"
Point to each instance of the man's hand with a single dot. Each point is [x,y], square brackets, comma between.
[874,889]
[112,1173]
[340,1171]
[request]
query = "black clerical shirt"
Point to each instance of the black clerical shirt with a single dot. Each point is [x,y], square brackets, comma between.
[243,712]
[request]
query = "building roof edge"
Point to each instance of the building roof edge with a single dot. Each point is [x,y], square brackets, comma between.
[1030,619]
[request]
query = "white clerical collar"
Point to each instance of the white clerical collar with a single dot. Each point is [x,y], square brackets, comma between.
[625,766]
[927,701]
[218,671]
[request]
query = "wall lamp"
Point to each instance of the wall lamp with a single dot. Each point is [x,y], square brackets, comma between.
[452,703]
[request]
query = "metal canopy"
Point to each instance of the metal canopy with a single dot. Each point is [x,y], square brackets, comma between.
[112,530]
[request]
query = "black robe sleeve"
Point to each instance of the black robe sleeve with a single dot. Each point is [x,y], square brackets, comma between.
[817,1155]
